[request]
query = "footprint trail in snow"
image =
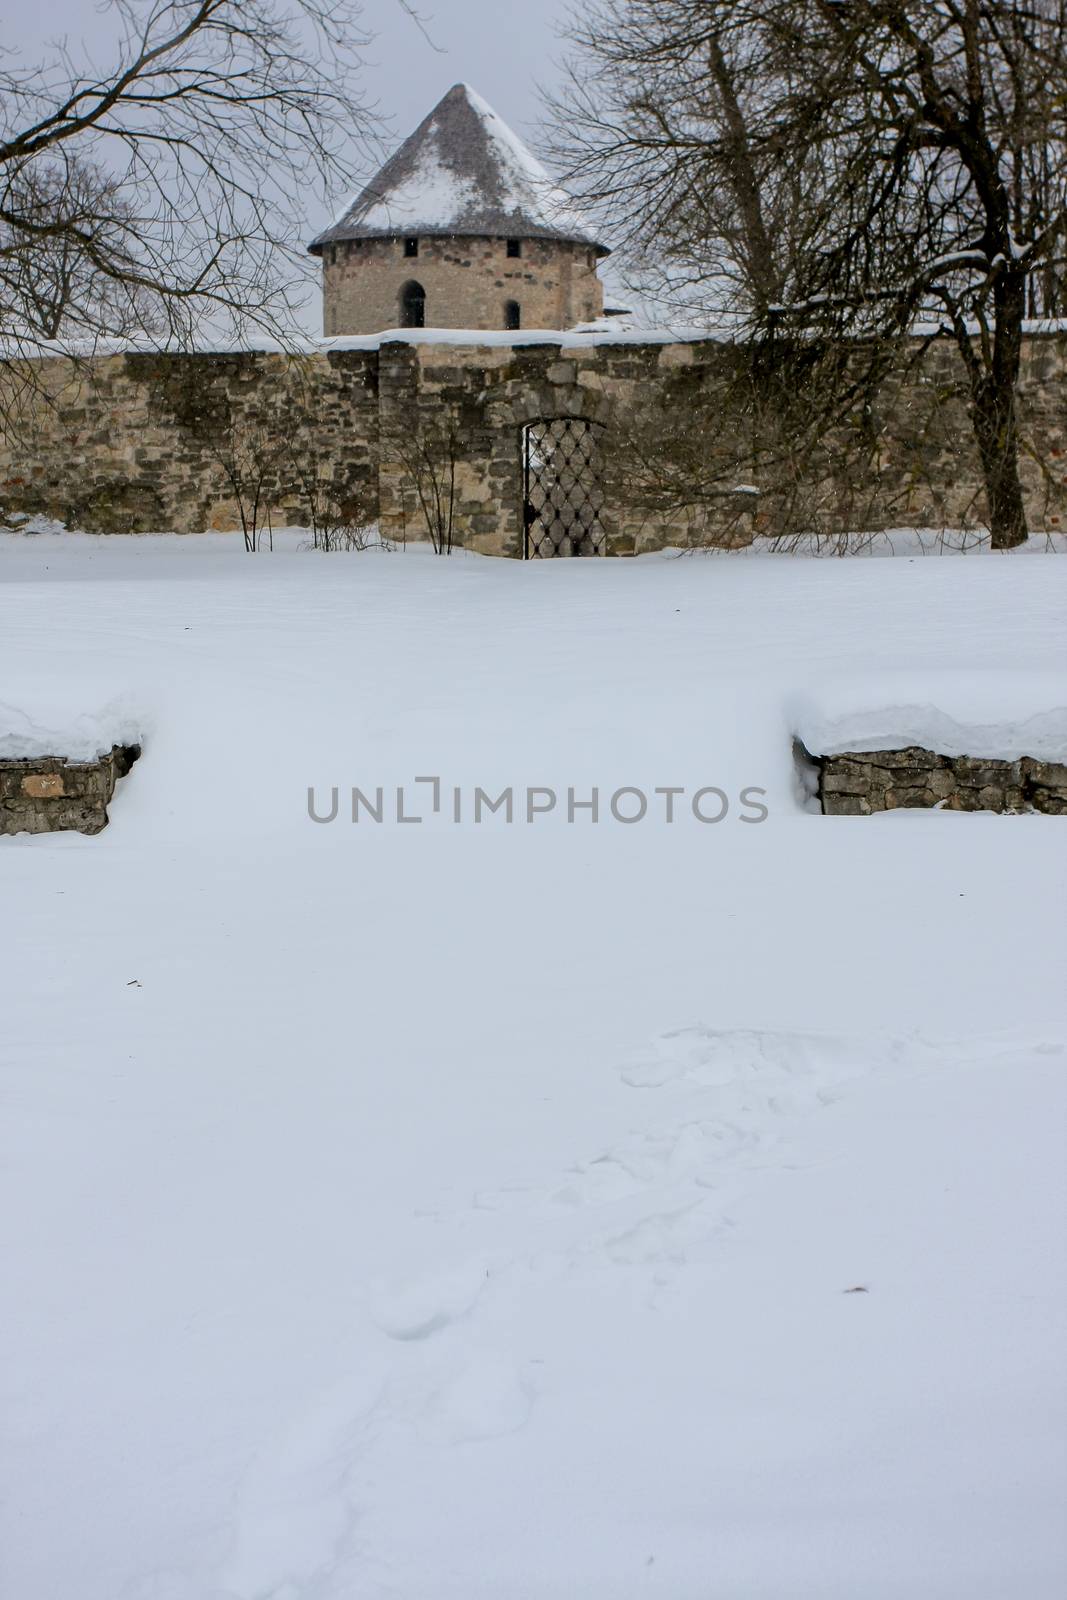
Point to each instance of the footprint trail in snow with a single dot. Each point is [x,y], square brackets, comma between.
[448,1362]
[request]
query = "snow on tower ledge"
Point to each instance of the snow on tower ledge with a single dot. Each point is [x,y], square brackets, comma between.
[461,228]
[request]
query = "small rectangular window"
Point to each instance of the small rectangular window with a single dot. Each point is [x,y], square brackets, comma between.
[514,247]
[411,247]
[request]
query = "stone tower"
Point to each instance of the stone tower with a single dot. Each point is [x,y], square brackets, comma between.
[462,228]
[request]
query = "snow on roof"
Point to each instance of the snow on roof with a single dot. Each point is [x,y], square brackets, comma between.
[462,172]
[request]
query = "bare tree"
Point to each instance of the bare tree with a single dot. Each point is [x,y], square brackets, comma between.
[72,218]
[428,452]
[657,127]
[251,455]
[332,494]
[731,444]
[841,169]
[337,513]
[167,192]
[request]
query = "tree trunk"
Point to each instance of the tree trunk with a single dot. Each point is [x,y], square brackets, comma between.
[993,412]
[997,433]
[755,244]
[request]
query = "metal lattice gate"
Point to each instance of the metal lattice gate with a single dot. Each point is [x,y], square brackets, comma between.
[562,493]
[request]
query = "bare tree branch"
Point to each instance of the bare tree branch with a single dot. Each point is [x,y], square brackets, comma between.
[839,169]
[166,197]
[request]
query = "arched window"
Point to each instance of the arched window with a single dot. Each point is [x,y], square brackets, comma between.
[413,305]
[512,314]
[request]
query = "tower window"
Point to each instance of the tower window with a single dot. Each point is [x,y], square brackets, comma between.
[514,247]
[512,315]
[413,305]
[411,247]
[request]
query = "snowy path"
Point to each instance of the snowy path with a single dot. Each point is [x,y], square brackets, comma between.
[455,1213]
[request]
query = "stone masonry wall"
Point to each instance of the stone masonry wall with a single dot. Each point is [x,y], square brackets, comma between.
[131,443]
[467,283]
[861,782]
[141,443]
[47,794]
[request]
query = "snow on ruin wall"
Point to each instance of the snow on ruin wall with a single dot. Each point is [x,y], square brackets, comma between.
[138,442]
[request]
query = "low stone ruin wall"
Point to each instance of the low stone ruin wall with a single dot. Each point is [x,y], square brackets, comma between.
[859,782]
[49,794]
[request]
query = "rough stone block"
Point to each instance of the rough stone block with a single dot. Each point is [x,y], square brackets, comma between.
[846,805]
[853,781]
[43,785]
[1048,774]
[908,799]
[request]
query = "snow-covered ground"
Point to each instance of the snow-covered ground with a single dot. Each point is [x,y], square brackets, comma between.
[522,1211]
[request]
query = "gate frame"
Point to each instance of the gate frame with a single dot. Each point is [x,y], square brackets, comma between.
[512,402]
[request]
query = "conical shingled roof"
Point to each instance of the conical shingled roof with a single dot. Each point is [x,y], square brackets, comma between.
[461,173]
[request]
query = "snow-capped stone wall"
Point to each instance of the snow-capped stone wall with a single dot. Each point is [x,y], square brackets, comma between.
[52,794]
[138,442]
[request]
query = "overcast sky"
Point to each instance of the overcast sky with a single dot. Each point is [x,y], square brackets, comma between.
[503,48]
